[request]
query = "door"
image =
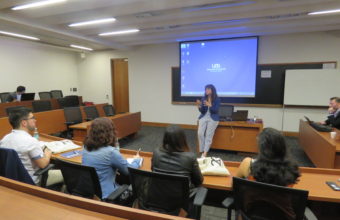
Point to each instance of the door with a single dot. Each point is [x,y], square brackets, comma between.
[120,84]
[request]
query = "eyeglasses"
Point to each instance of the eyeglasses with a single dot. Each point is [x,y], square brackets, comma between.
[29,118]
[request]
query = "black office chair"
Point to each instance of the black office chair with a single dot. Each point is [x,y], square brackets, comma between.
[41,106]
[109,110]
[56,94]
[13,108]
[91,113]
[165,193]
[11,167]
[72,116]
[45,95]
[3,96]
[81,180]
[260,201]
[71,101]
[225,112]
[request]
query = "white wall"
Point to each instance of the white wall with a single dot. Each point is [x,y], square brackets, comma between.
[38,67]
[150,77]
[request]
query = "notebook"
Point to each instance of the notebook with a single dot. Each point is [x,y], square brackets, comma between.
[130,160]
[71,154]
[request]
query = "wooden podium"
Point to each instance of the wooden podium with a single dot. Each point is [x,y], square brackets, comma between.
[237,136]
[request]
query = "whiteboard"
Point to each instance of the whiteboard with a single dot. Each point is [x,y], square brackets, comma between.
[311,87]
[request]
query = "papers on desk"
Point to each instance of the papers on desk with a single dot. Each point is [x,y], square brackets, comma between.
[130,160]
[61,146]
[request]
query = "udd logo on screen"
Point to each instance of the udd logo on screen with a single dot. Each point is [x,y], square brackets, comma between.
[216,67]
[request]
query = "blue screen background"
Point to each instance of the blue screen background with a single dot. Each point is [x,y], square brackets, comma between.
[230,65]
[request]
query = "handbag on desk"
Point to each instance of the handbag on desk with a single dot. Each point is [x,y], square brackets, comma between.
[212,166]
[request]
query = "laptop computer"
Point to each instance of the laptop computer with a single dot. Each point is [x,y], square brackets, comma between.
[240,115]
[319,127]
[225,112]
[27,96]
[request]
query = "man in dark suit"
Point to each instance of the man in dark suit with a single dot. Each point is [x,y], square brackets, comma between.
[334,119]
[16,96]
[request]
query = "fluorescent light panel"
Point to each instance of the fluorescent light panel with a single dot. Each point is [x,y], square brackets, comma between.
[36,4]
[81,47]
[99,21]
[18,35]
[119,32]
[324,12]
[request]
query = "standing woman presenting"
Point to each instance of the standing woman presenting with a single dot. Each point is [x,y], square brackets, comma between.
[209,118]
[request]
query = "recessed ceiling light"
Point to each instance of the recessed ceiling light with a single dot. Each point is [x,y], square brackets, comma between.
[81,47]
[18,35]
[119,32]
[324,12]
[99,21]
[36,4]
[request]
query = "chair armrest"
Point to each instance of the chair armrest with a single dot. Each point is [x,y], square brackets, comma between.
[200,196]
[43,170]
[117,193]
[70,123]
[309,214]
[228,202]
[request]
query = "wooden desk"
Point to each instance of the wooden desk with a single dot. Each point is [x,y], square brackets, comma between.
[126,124]
[312,179]
[48,122]
[28,104]
[319,146]
[237,136]
[23,201]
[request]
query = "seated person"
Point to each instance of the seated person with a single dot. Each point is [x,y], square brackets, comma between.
[273,164]
[334,119]
[332,105]
[99,152]
[16,96]
[28,148]
[175,157]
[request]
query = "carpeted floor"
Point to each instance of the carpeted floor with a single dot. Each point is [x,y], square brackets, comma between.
[150,138]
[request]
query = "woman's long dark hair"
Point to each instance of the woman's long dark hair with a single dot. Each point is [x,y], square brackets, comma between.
[174,139]
[213,92]
[273,164]
[102,133]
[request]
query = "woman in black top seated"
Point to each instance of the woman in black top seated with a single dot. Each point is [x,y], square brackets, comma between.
[174,156]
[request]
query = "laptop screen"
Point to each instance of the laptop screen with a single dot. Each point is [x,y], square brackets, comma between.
[27,96]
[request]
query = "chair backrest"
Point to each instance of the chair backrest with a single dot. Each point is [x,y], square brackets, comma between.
[80,180]
[45,95]
[109,110]
[255,200]
[56,94]
[11,166]
[226,111]
[9,109]
[73,115]
[3,96]
[160,192]
[41,106]
[91,112]
[71,101]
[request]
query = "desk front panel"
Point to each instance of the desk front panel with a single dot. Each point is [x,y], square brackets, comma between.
[237,136]
[312,179]
[319,147]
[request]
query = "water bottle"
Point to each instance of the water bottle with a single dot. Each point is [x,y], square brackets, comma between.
[36,133]
[117,144]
